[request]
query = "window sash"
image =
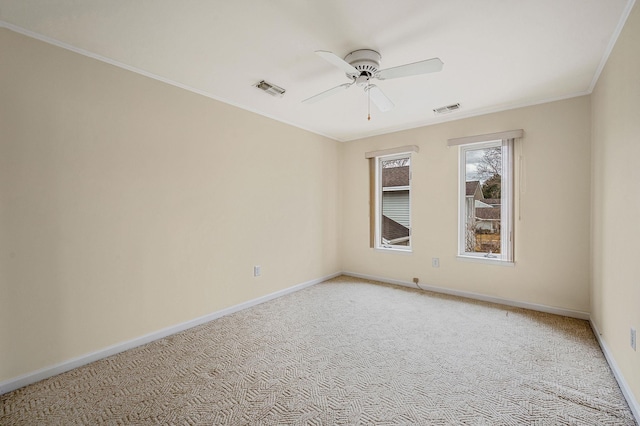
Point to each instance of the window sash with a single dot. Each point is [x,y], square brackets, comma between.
[466,140]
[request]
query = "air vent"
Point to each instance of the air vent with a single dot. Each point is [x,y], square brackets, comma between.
[271,89]
[446,109]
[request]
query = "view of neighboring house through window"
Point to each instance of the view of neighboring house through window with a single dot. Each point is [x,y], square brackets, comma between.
[393,215]
[486,204]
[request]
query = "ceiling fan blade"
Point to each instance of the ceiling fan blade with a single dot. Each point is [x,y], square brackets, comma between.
[422,67]
[337,61]
[326,93]
[379,99]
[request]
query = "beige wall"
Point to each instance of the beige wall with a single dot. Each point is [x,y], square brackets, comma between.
[551,216]
[615,290]
[128,205]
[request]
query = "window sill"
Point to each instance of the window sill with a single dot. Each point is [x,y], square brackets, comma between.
[393,250]
[490,261]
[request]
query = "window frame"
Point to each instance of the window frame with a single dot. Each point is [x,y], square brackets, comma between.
[506,255]
[378,244]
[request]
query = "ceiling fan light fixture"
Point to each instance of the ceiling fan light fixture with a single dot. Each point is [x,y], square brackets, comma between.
[446,109]
[271,89]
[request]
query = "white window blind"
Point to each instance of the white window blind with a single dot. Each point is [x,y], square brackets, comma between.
[510,134]
[391,151]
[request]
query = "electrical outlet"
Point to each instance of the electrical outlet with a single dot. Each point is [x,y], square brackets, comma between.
[633,338]
[257,270]
[416,281]
[435,262]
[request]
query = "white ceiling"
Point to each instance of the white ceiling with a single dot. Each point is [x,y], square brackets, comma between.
[497,54]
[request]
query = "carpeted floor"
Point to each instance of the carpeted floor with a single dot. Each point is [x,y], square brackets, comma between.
[345,352]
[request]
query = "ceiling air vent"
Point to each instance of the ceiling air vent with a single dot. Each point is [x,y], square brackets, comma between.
[271,89]
[446,109]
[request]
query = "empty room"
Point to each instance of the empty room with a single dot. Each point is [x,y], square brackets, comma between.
[299,212]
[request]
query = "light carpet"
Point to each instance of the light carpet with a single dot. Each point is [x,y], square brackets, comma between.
[347,351]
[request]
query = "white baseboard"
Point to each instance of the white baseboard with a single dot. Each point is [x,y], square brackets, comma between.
[624,387]
[44,373]
[47,372]
[477,296]
[626,391]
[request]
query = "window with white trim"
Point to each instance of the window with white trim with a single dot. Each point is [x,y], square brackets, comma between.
[393,202]
[485,229]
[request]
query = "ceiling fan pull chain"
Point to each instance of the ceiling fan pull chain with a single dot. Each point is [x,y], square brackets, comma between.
[368,104]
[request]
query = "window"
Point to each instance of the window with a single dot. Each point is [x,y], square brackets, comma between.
[393,202]
[486,200]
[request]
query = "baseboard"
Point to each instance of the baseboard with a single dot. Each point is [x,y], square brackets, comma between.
[624,387]
[44,373]
[477,296]
[47,372]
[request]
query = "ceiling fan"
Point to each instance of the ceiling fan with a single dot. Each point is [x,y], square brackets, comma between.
[362,66]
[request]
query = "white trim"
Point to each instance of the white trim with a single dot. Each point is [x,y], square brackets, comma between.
[66,46]
[509,134]
[462,114]
[624,387]
[477,296]
[379,189]
[612,43]
[459,115]
[479,258]
[44,373]
[29,378]
[393,249]
[391,151]
[506,206]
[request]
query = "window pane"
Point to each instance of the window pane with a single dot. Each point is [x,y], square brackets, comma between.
[395,201]
[483,176]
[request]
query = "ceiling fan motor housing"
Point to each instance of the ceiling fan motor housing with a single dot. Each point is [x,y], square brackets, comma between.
[366,61]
